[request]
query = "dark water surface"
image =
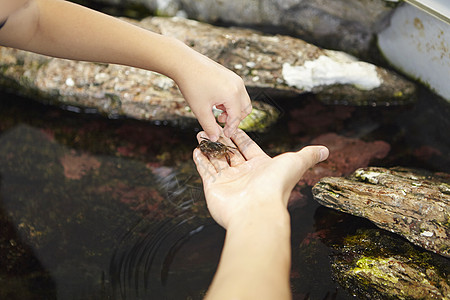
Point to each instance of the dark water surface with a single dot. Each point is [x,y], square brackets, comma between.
[92,208]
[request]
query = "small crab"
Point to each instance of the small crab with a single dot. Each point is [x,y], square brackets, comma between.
[215,149]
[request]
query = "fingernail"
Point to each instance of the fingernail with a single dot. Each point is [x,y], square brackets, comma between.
[214,138]
[323,154]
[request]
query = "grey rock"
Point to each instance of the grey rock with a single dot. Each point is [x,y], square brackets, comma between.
[346,25]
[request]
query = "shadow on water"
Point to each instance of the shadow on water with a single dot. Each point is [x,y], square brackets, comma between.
[104,209]
[25,276]
[114,209]
[145,263]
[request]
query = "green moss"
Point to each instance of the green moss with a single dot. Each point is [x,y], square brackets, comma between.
[398,94]
[258,120]
[369,264]
[372,266]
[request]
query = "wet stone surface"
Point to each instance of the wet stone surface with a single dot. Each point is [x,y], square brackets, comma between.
[374,264]
[278,65]
[92,207]
[412,203]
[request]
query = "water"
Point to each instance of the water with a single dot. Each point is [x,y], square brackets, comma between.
[92,208]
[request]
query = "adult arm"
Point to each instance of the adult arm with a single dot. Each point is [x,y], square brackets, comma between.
[256,258]
[248,197]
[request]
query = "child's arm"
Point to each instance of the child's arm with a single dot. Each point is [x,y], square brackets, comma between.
[63,29]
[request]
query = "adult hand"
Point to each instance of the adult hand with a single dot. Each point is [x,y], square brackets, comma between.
[253,181]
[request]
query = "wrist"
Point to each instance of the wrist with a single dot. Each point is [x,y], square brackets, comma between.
[183,60]
[260,214]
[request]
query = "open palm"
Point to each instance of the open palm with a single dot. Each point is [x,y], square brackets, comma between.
[252,180]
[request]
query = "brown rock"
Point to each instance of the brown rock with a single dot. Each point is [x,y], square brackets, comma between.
[414,204]
[275,64]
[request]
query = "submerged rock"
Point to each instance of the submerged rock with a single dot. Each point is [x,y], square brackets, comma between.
[278,65]
[91,219]
[372,264]
[346,155]
[412,203]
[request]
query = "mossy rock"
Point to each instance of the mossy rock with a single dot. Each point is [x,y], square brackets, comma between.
[374,264]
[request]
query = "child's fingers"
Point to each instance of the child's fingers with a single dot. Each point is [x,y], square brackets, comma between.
[208,122]
[234,117]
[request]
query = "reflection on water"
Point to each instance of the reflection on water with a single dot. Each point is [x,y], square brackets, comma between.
[113,209]
[168,261]
[99,225]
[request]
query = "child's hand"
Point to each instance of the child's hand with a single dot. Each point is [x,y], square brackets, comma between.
[42,26]
[208,83]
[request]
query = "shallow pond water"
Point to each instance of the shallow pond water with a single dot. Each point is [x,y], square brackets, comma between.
[92,208]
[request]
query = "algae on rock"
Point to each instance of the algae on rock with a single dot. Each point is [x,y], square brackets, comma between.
[374,264]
